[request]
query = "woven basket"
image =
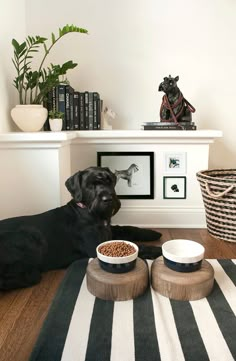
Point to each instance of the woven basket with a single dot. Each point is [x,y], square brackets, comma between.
[218,187]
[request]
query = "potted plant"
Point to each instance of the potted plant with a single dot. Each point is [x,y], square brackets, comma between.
[55,120]
[34,85]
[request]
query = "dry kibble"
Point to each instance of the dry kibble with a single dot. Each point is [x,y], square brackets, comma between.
[116,249]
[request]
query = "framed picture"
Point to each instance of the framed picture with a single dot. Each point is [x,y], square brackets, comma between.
[174,187]
[134,171]
[175,162]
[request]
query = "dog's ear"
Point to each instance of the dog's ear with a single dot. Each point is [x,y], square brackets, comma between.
[73,184]
[160,87]
[113,176]
[176,78]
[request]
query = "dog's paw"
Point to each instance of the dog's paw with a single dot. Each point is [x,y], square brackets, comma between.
[149,252]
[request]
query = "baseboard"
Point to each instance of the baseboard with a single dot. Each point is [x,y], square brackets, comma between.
[165,217]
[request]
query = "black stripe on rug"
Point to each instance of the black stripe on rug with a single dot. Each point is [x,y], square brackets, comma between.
[145,338]
[224,316]
[189,335]
[229,268]
[53,334]
[100,333]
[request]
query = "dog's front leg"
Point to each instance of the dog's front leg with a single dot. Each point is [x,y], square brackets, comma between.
[136,234]
[130,233]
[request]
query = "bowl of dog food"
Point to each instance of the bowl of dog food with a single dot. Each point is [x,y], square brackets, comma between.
[117,256]
[183,255]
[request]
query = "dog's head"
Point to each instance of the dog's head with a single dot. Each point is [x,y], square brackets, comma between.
[169,85]
[94,187]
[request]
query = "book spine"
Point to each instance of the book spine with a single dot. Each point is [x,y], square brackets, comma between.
[167,123]
[96,100]
[169,127]
[86,109]
[67,117]
[61,103]
[71,127]
[99,112]
[81,111]
[76,110]
[54,98]
[90,110]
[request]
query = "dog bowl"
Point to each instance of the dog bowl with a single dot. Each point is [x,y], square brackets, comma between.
[183,255]
[117,264]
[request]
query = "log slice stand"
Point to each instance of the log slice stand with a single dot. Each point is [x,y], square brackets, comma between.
[117,286]
[186,286]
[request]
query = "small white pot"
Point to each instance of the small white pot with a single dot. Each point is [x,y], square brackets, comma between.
[55,124]
[29,117]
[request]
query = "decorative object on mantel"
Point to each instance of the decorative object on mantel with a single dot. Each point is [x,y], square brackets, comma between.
[175,111]
[82,110]
[29,117]
[108,115]
[34,85]
[55,120]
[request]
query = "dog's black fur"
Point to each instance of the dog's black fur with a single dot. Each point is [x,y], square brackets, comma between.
[30,245]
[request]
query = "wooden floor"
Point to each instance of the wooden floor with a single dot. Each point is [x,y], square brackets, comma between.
[22,312]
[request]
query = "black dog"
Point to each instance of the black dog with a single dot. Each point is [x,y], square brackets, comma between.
[30,245]
[174,107]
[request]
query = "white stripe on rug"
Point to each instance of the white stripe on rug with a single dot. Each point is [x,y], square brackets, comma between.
[77,337]
[212,337]
[168,338]
[234,260]
[122,344]
[225,283]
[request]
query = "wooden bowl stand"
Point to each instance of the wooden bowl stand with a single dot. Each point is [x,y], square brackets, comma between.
[182,285]
[117,286]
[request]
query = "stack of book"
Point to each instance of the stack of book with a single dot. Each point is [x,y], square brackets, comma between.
[82,110]
[168,126]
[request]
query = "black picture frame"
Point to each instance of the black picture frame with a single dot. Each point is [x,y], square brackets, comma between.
[138,183]
[174,187]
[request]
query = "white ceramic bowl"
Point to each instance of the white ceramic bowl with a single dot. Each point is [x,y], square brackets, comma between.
[183,255]
[117,264]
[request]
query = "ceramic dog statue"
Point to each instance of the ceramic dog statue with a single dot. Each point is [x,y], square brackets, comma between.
[174,107]
[108,115]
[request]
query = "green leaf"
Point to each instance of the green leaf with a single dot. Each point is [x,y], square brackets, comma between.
[53,38]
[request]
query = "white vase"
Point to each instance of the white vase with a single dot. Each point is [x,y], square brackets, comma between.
[55,124]
[29,117]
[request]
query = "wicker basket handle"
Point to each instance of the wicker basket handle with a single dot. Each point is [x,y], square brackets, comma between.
[218,195]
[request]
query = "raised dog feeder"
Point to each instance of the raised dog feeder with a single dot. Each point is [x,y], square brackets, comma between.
[117,286]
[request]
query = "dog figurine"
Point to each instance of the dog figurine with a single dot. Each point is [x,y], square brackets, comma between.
[174,107]
[127,174]
[30,245]
[108,115]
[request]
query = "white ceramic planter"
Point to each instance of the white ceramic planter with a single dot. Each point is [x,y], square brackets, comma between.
[29,117]
[55,124]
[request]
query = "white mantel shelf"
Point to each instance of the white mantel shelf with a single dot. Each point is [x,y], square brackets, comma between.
[108,136]
[35,166]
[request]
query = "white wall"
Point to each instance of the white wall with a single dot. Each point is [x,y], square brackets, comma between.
[12,25]
[133,44]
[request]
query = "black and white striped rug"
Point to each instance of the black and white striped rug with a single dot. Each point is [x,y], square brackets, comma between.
[81,327]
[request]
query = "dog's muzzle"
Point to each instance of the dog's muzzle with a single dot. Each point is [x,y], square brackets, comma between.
[105,205]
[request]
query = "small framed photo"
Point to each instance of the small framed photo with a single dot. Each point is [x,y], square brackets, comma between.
[175,162]
[134,172]
[174,187]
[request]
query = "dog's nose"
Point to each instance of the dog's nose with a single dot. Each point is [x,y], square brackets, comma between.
[107,198]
